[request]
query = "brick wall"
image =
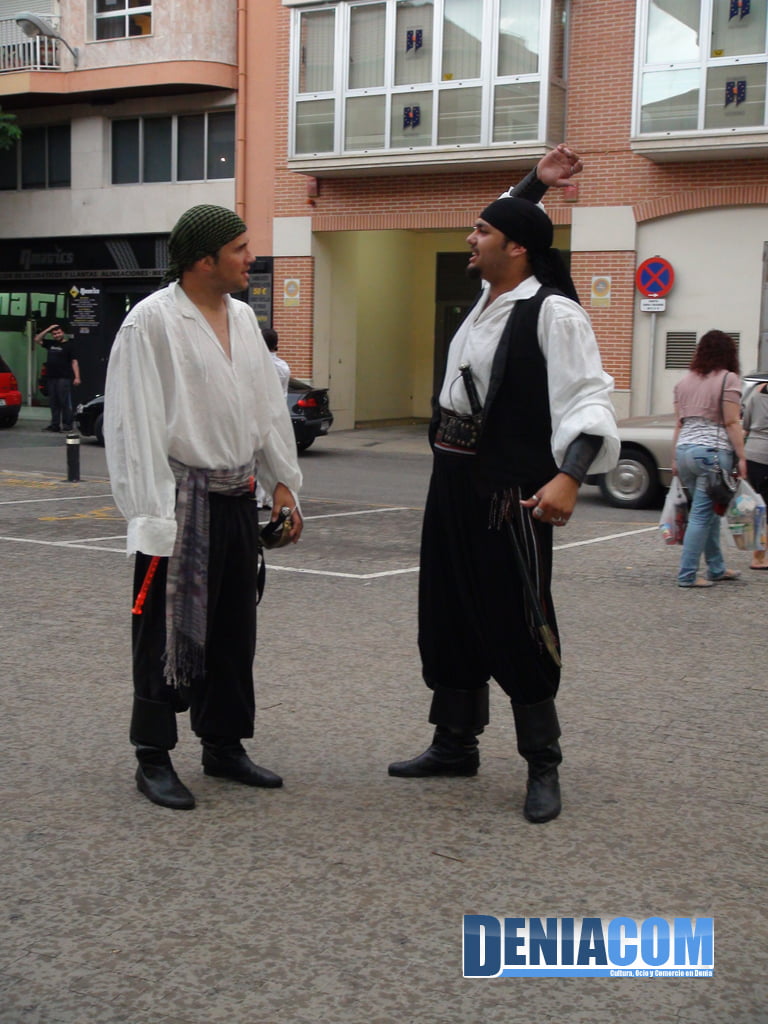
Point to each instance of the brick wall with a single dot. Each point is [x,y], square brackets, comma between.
[294,323]
[612,324]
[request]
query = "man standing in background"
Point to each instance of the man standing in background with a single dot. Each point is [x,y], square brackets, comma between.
[62,372]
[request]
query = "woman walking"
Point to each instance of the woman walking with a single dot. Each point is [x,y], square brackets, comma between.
[707,432]
[755,423]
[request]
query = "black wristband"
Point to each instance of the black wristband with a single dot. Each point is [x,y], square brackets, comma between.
[530,188]
[580,455]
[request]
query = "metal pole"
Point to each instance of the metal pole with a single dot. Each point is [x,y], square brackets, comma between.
[651,360]
[30,361]
[73,458]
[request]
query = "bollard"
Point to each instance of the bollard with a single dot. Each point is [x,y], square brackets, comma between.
[73,458]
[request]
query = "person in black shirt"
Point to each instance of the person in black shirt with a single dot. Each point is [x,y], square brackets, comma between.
[62,371]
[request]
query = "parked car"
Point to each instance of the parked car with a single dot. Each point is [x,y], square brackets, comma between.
[10,396]
[89,418]
[309,408]
[644,470]
[310,412]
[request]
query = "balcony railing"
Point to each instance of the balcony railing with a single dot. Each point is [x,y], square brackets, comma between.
[24,53]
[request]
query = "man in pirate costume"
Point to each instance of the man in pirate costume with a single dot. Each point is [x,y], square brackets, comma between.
[194,416]
[524,413]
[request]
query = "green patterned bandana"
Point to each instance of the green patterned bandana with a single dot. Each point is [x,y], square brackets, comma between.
[199,232]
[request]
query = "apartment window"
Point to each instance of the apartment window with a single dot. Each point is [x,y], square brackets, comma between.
[186,147]
[399,75]
[40,159]
[118,19]
[703,66]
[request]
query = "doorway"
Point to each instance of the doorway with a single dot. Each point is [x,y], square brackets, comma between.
[455,295]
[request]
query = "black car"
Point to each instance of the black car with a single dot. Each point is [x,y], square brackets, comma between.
[89,418]
[310,414]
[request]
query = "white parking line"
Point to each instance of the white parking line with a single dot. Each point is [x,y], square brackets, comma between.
[361,512]
[77,497]
[84,544]
[344,575]
[608,536]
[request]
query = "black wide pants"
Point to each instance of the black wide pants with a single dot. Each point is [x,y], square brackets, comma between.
[473,623]
[221,702]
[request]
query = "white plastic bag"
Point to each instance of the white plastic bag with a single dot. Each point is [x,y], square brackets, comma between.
[674,515]
[745,518]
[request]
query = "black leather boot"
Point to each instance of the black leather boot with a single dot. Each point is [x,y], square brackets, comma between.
[538,731]
[230,761]
[460,716]
[450,753]
[157,780]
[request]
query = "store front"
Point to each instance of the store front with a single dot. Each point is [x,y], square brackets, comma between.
[87,285]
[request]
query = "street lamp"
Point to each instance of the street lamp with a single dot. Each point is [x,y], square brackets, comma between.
[33,25]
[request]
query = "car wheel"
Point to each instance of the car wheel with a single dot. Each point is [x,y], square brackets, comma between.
[8,421]
[98,429]
[303,445]
[634,483]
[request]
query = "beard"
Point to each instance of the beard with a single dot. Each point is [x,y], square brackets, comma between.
[473,271]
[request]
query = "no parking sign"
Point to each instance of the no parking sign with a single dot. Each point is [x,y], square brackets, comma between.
[655,277]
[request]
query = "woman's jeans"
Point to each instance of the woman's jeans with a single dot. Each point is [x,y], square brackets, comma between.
[695,465]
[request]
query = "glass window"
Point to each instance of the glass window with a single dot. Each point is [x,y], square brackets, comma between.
[402,74]
[33,158]
[41,159]
[670,101]
[367,37]
[59,156]
[462,38]
[316,63]
[413,42]
[459,118]
[118,19]
[556,112]
[221,145]
[516,112]
[143,148]
[673,31]
[518,37]
[735,96]
[125,151]
[314,126]
[365,122]
[679,70]
[157,149]
[411,119]
[190,147]
[736,33]
[9,175]
[559,55]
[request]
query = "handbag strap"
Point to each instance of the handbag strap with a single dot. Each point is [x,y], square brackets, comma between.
[722,415]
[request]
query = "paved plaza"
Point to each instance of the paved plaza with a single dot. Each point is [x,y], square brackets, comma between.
[340,897]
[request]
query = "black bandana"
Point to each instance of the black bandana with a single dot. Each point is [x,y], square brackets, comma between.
[521,221]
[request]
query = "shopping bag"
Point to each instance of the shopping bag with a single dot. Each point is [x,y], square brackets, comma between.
[745,518]
[674,515]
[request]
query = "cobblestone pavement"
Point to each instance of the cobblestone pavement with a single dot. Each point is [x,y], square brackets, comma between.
[340,898]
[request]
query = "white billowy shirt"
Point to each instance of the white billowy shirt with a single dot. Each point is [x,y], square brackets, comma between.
[172,392]
[579,388]
[283,371]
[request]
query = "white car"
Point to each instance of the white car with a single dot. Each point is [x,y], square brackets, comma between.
[644,469]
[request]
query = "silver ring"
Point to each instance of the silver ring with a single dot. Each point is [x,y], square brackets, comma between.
[538,512]
[536,498]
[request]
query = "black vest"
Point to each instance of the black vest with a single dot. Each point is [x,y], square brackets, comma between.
[515,444]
